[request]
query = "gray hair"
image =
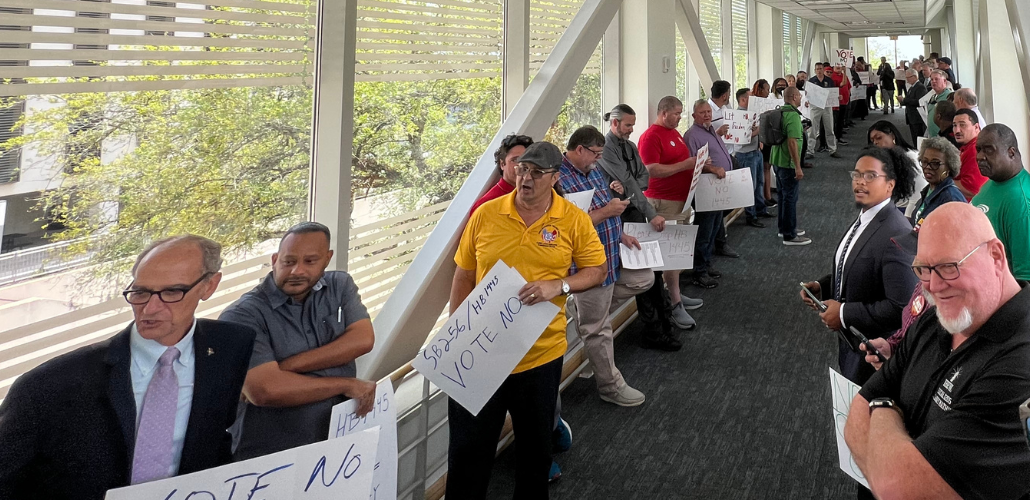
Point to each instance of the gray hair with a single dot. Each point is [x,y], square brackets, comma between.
[952,159]
[911,72]
[210,251]
[967,95]
[668,103]
[699,102]
[939,73]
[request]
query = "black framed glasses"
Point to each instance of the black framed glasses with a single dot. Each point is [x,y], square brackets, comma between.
[932,165]
[596,152]
[867,176]
[947,271]
[535,173]
[139,296]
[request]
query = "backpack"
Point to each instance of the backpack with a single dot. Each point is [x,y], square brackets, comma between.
[770,127]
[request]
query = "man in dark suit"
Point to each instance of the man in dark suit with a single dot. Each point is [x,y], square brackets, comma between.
[152,402]
[916,90]
[871,281]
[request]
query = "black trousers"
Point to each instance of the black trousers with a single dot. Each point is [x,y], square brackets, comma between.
[530,398]
[917,129]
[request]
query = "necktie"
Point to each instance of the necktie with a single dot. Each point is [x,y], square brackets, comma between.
[840,261]
[152,457]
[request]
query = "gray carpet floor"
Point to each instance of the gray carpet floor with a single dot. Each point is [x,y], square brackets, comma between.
[743,411]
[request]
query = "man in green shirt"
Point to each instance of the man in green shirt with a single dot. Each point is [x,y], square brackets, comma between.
[1005,197]
[787,159]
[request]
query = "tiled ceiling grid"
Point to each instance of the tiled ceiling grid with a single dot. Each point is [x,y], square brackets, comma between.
[860,17]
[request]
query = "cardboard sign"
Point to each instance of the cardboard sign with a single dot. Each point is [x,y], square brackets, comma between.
[702,157]
[485,338]
[581,199]
[741,122]
[345,422]
[340,469]
[648,256]
[845,57]
[676,243]
[843,391]
[736,190]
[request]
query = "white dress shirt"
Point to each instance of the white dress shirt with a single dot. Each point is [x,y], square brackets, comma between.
[865,217]
[144,354]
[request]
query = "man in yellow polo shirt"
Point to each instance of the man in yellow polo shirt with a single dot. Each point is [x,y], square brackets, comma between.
[540,235]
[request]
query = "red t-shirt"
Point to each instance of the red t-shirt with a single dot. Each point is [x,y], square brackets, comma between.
[663,145]
[845,89]
[500,189]
[969,175]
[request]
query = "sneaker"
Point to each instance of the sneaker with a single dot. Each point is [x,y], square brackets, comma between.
[727,251]
[835,155]
[555,474]
[770,203]
[713,273]
[809,154]
[690,304]
[797,241]
[627,396]
[766,215]
[755,223]
[680,318]
[799,232]
[704,281]
[561,437]
[663,342]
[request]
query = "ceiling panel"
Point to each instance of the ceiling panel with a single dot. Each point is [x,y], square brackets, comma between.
[859,16]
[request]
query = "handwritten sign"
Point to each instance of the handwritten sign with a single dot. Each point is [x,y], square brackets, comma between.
[647,256]
[676,243]
[741,122]
[823,97]
[346,422]
[845,57]
[736,190]
[759,105]
[924,107]
[843,391]
[485,338]
[702,157]
[581,199]
[858,93]
[340,469]
[805,107]
[868,77]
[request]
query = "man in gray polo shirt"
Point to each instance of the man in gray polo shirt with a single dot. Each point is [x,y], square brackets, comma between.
[311,327]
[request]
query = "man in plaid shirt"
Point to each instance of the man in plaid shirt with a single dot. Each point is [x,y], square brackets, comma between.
[593,307]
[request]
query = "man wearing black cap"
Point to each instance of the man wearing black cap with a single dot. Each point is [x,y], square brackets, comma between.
[944,64]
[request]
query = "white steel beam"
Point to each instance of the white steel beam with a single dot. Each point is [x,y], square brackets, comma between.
[411,311]
[515,60]
[332,129]
[1019,19]
[697,47]
[806,48]
[1003,98]
[611,65]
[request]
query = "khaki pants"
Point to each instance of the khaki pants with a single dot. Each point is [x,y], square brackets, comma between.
[593,308]
[670,209]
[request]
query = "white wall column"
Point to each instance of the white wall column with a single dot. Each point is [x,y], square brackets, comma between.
[332,128]
[648,57]
[764,38]
[963,49]
[1003,98]
[1019,19]
[611,65]
[515,60]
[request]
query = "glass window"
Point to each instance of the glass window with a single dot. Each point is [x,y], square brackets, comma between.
[710,13]
[740,44]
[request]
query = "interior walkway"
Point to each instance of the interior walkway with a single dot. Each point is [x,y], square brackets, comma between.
[743,411]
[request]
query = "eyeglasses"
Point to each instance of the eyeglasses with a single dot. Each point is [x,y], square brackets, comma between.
[867,176]
[947,271]
[138,297]
[932,165]
[596,152]
[535,173]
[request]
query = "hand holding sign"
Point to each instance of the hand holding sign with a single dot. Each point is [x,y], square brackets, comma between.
[702,160]
[346,420]
[843,391]
[485,338]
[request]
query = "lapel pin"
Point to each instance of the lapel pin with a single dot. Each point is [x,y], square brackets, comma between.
[210,351]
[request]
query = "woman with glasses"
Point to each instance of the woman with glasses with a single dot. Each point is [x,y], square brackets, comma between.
[883,134]
[940,163]
[540,235]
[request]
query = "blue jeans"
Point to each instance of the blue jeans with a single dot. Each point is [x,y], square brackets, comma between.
[707,229]
[787,190]
[753,161]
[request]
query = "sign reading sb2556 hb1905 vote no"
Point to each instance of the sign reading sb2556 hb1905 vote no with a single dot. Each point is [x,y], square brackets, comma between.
[485,338]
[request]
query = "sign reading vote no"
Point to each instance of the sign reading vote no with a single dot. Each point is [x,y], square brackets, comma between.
[736,190]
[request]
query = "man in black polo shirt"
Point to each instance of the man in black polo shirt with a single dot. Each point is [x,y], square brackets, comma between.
[941,418]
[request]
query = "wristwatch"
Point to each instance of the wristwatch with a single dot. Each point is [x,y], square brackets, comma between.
[885,403]
[565,288]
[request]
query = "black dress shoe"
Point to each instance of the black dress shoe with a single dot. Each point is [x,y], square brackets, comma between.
[726,251]
[755,223]
[662,342]
[713,273]
[766,215]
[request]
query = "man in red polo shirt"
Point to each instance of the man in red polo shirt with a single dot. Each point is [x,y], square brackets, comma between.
[966,127]
[507,158]
[670,167]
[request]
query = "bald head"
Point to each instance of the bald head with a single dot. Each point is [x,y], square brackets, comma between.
[791,94]
[956,224]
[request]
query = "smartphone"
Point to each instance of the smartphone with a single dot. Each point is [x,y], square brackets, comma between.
[868,345]
[818,303]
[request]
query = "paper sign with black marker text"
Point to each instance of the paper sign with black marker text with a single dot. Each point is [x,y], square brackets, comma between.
[676,243]
[340,469]
[736,190]
[843,391]
[345,422]
[702,157]
[485,338]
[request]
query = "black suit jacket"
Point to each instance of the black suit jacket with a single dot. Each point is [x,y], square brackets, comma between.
[68,427]
[878,282]
[911,103]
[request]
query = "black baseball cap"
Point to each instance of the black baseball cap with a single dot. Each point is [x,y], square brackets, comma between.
[945,60]
[542,154]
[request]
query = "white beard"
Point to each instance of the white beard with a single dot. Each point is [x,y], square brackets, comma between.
[953,325]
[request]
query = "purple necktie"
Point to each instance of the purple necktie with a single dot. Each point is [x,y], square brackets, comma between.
[152,458]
